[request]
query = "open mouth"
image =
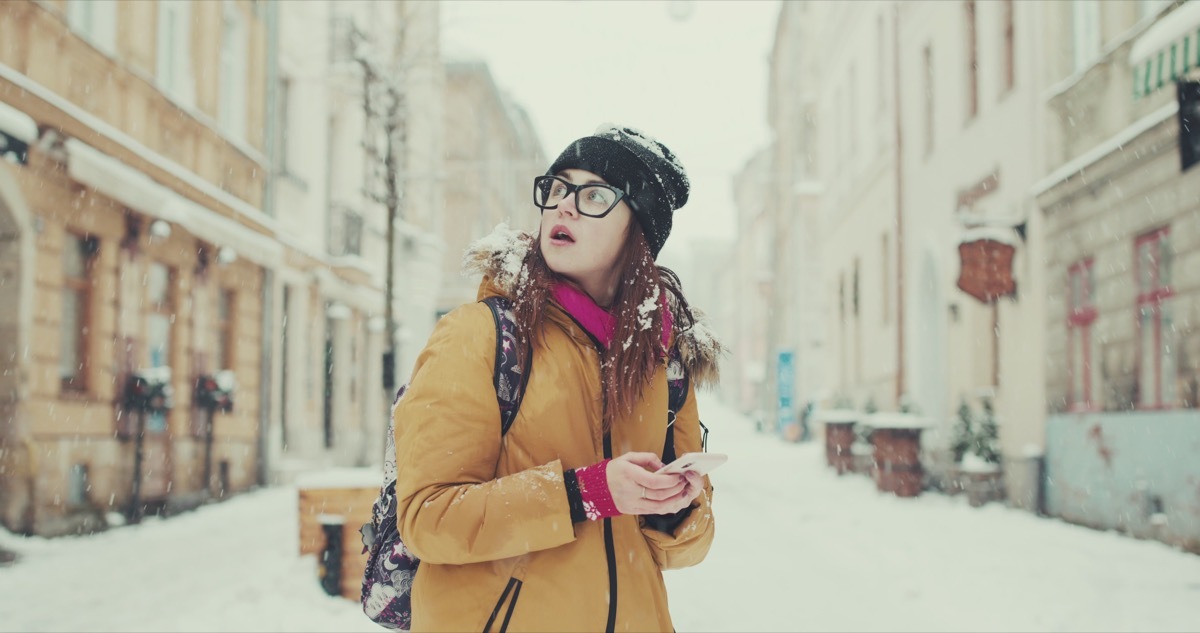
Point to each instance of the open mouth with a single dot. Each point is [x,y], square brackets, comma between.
[560,235]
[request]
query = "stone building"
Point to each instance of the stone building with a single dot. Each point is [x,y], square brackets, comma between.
[135,245]
[1123,310]
[492,156]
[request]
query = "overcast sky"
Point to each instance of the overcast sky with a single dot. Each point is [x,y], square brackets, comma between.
[698,84]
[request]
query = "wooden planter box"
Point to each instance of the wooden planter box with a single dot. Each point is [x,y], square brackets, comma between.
[898,467]
[338,496]
[839,436]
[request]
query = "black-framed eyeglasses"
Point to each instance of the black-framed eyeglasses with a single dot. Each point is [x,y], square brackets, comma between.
[594,200]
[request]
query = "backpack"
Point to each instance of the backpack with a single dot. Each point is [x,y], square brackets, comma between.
[391,568]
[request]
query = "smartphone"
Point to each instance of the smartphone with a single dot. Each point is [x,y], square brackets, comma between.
[701,463]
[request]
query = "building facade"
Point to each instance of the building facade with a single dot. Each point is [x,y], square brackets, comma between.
[972,119]
[134,257]
[1123,278]
[340,67]
[492,156]
[196,245]
[747,366]
[903,130]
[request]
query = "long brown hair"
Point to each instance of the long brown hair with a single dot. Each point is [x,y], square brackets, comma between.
[636,350]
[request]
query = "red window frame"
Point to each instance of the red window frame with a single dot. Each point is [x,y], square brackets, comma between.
[81,287]
[970,13]
[226,307]
[1152,297]
[1010,66]
[1080,316]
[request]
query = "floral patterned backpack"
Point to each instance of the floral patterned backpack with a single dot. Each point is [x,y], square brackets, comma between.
[391,568]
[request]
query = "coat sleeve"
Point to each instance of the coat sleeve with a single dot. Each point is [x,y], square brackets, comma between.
[451,507]
[689,542]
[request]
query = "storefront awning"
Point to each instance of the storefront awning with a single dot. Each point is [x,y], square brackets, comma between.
[141,193]
[1167,50]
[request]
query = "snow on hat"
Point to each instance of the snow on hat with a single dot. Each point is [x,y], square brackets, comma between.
[654,181]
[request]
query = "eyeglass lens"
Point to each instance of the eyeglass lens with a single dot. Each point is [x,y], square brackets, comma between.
[592,199]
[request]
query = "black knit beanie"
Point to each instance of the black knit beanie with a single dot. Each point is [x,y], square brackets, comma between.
[653,180]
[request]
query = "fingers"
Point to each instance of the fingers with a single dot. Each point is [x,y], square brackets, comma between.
[649,461]
[637,490]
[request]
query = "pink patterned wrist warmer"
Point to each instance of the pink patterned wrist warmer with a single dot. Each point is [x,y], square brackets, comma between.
[593,488]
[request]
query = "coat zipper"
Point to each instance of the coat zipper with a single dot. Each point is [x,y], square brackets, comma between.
[610,549]
[611,552]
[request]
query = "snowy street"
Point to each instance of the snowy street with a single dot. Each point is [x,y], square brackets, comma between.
[797,549]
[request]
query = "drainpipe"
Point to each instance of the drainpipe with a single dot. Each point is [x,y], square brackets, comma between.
[268,287]
[900,382]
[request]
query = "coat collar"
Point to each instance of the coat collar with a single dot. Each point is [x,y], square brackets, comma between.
[500,258]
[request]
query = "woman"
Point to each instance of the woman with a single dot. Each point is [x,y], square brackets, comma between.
[561,523]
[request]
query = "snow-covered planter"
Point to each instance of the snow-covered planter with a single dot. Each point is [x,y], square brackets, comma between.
[149,390]
[215,391]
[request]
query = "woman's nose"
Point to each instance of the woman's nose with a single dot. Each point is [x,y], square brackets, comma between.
[567,204]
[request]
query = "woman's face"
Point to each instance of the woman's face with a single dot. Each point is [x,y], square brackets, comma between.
[581,248]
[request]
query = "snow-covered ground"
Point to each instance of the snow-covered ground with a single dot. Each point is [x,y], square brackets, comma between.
[797,549]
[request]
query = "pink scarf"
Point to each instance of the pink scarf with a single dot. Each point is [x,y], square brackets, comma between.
[598,321]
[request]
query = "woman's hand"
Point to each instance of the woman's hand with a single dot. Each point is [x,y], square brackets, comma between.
[636,489]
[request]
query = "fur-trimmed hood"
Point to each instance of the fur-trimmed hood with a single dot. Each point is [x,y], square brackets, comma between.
[500,258]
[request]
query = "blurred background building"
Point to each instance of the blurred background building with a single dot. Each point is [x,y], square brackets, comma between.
[987,204]
[194,242]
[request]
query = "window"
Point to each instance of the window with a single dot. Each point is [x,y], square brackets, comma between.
[285,360]
[75,328]
[327,412]
[852,113]
[880,65]
[928,99]
[352,225]
[78,486]
[810,141]
[1156,328]
[223,356]
[231,109]
[854,291]
[1081,313]
[1085,29]
[174,67]
[886,278]
[841,298]
[160,323]
[1148,8]
[972,61]
[96,21]
[1008,55]
[283,115]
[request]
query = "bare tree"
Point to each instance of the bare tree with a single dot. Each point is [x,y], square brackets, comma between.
[384,137]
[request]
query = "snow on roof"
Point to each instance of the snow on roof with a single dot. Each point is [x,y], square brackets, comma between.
[1114,143]
[890,420]
[1173,26]
[1000,234]
[103,128]
[837,415]
[341,478]
[17,123]
[138,191]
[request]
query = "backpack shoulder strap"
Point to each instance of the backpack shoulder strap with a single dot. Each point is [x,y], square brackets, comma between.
[506,376]
[677,390]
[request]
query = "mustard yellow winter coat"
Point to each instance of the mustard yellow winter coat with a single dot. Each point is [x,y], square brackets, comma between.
[489,517]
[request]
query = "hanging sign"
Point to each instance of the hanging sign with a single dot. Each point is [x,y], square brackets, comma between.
[986,255]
